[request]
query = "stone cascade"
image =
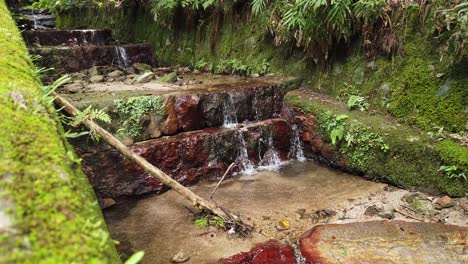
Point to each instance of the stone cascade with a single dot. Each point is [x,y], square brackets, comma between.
[74,50]
[200,134]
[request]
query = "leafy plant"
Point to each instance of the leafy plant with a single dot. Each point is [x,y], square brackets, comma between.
[204,220]
[49,89]
[90,114]
[201,65]
[134,110]
[452,172]
[351,137]
[454,24]
[358,102]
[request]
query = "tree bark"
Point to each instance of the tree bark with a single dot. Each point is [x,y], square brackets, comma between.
[148,167]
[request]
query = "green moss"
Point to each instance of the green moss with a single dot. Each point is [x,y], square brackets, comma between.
[411,160]
[56,218]
[452,153]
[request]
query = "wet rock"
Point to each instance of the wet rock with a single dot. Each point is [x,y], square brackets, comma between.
[96,79]
[374,242]
[444,202]
[171,125]
[325,213]
[95,70]
[272,251]
[76,58]
[145,77]
[68,37]
[74,87]
[180,257]
[142,67]
[387,213]
[419,203]
[115,74]
[169,78]
[372,210]
[189,112]
[464,204]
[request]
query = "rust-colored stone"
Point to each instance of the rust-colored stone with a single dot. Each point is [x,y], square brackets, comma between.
[385,242]
[270,252]
[187,157]
[189,112]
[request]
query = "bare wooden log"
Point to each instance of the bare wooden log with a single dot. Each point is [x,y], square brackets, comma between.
[221,180]
[196,200]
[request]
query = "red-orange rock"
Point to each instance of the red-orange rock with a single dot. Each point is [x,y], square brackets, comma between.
[270,252]
[385,242]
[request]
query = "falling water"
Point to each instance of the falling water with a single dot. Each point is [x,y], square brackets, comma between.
[229,111]
[270,160]
[243,157]
[297,151]
[255,106]
[34,18]
[122,58]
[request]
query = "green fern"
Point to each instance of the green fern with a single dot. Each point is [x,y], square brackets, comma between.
[90,114]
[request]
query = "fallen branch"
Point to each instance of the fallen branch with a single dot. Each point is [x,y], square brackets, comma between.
[196,200]
[409,215]
[221,180]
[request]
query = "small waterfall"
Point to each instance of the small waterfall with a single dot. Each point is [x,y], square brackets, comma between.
[243,157]
[34,18]
[255,106]
[229,112]
[297,150]
[122,58]
[270,160]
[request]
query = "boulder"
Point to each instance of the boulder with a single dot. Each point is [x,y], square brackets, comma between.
[385,242]
[145,77]
[115,74]
[97,78]
[74,87]
[142,67]
[419,203]
[444,202]
[95,70]
[169,78]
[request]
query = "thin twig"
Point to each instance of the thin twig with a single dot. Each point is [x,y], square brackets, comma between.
[409,215]
[221,180]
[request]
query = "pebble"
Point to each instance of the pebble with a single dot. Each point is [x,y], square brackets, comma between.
[180,257]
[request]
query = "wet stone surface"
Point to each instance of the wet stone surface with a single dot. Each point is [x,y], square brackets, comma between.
[386,242]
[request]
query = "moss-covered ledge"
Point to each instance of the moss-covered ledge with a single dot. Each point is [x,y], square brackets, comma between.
[48,212]
[377,146]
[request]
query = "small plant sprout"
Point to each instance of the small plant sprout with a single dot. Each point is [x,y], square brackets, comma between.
[358,102]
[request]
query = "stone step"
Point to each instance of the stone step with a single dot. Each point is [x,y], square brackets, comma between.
[67,59]
[208,101]
[34,19]
[187,157]
[38,38]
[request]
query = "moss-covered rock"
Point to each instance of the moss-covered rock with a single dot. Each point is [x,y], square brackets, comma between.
[381,148]
[54,215]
